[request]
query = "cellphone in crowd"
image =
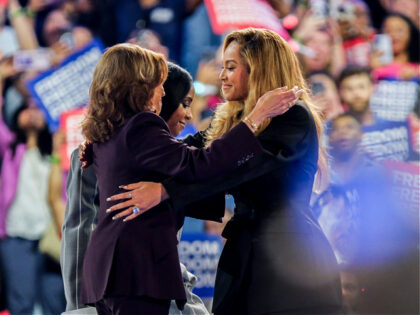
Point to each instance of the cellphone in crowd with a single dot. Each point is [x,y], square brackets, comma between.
[32,60]
[319,8]
[383,43]
[317,87]
[67,39]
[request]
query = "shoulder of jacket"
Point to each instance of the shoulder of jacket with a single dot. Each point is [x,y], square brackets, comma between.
[146,119]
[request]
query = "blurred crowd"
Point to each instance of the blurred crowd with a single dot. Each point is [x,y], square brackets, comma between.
[350,51]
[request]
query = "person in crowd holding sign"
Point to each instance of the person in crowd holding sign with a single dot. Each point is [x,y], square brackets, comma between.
[276,258]
[131,142]
[83,198]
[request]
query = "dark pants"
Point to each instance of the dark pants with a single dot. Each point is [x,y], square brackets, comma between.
[30,276]
[132,305]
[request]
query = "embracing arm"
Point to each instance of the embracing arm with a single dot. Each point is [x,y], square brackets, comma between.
[285,140]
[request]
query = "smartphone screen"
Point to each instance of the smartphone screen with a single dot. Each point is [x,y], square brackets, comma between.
[383,43]
[317,87]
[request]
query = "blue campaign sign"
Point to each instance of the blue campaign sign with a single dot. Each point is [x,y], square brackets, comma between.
[388,141]
[394,100]
[200,253]
[67,86]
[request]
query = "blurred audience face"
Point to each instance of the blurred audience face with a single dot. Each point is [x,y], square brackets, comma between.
[327,99]
[156,100]
[350,289]
[182,115]
[345,136]
[31,119]
[55,25]
[81,36]
[355,91]
[149,40]
[234,74]
[399,31]
[320,42]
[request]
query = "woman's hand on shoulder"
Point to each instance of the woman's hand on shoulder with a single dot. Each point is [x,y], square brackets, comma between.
[139,198]
[275,102]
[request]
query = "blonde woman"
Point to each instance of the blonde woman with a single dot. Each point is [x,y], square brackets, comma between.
[276,258]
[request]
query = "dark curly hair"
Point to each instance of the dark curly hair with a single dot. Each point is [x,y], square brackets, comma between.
[123,84]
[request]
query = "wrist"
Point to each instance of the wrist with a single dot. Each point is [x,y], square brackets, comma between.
[251,124]
[55,159]
[13,14]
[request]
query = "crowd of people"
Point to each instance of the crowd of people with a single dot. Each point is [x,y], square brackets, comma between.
[358,58]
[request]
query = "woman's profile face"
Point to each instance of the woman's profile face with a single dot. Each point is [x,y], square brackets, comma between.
[399,31]
[182,115]
[156,101]
[234,74]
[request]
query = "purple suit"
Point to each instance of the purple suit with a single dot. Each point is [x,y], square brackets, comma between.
[139,257]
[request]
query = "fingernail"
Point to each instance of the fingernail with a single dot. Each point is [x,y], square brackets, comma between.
[121,186]
[108,210]
[125,220]
[114,217]
[108,199]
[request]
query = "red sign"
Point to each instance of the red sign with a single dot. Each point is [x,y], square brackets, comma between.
[226,15]
[70,124]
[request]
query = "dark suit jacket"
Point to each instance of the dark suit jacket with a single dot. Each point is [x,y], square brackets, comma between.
[139,257]
[276,257]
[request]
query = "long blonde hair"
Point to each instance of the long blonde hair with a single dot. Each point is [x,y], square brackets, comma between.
[272,64]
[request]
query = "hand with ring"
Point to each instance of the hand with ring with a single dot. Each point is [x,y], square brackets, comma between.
[139,198]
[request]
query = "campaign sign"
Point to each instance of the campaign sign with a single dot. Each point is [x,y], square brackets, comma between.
[70,124]
[66,87]
[394,100]
[406,188]
[387,141]
[226,15]
[200,253]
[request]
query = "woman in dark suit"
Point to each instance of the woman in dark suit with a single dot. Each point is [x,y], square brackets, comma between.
[276,259]
[133,267]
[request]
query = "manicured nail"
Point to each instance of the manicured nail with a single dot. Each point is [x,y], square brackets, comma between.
[108,210]
[108,199]
[114,217]
[125,220]
[121,186]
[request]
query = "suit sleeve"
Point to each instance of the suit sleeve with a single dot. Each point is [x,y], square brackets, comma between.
[285,140]
[153,149]
[79,221]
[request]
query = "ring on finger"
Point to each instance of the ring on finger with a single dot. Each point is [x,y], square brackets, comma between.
[129,195]
[136,210]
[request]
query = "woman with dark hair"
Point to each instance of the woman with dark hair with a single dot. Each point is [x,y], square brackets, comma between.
[133,267]
[405,37]
[25,215]
[405,47]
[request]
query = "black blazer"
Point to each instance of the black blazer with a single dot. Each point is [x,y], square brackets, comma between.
[276,257]
[139,257]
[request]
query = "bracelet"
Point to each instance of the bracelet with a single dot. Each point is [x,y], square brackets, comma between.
[55,159]
[253,125]
[15,14]
[30,13]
